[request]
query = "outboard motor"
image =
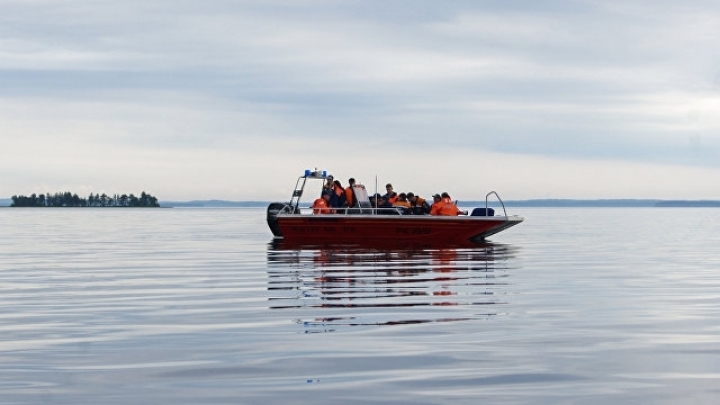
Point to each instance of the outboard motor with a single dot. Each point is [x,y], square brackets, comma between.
[272,211]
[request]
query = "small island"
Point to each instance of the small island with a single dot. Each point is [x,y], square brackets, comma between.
[68,199]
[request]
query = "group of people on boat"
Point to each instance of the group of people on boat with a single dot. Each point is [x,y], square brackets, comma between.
[334,197]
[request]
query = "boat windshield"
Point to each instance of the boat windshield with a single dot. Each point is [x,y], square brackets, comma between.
[361,196]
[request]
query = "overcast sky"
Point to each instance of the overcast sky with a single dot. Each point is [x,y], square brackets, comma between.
[234,99]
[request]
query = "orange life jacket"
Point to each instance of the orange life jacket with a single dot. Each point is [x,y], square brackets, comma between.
[391,198]
[435,208]
[350,197]
[320,206]
[420,206]
[448,208]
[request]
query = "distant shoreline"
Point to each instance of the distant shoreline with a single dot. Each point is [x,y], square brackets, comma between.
[618,203]
[532,203]
[538,203]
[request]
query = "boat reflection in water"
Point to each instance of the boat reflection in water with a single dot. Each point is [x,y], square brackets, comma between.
[327,287]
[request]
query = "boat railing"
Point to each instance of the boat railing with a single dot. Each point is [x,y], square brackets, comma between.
[369,211]
[387,211]
[288,209]
[499,199]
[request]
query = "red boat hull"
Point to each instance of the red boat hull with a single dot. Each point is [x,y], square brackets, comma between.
[390,228]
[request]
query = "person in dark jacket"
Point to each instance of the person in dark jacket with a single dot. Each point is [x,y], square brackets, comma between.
[328,185]
[337,195]
[390,196]
[378,201]
[385,207]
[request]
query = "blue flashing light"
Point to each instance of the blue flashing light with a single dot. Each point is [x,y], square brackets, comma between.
[307,172]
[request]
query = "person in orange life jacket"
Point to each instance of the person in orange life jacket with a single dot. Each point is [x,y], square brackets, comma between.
[436,205]
[390,196]
[337,195]
[350,194]
[321,205]
[402,203]
[418,205]
[448,207]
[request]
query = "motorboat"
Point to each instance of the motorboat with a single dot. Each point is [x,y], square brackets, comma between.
[364,223]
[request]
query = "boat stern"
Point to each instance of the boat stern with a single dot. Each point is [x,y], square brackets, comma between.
[272,212]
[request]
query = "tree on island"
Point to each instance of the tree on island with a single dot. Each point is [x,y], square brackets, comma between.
[68,199]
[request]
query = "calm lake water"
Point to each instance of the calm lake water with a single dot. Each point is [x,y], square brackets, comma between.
[197,306]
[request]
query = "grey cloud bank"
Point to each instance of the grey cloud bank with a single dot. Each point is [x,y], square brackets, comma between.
[232,100]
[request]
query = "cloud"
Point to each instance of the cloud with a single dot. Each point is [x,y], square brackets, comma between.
[188,97]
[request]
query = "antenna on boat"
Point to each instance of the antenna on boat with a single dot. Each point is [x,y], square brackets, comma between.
[376,192]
